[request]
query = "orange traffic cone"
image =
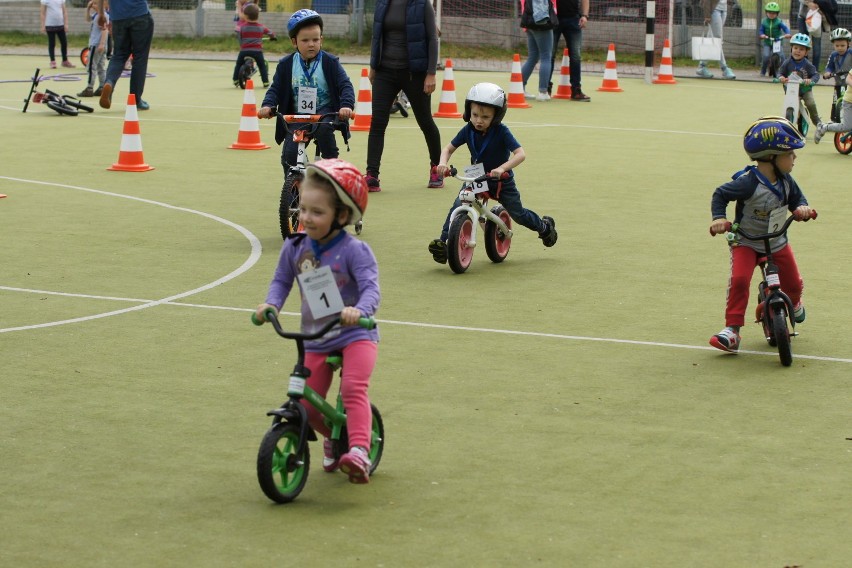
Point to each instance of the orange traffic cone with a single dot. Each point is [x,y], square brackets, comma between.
[666,75]
[248,138]
[364,104]
[130,153]
[516,85]
[610,78]
[563,91]
[448,107]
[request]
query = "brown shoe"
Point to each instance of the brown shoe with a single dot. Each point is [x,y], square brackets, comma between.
[106,96]
[578,95]
[87,92]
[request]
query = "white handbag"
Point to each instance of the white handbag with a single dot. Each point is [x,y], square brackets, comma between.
[707,47]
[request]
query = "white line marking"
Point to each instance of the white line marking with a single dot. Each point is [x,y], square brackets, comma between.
[256,250]
[442,326]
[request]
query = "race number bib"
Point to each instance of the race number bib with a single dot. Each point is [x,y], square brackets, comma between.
[307,102]
[776,46]
[475,171]
[777,218]
[320,292]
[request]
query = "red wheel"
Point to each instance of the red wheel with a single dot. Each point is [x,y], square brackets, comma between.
[843,142]
[84,57]
[459,254]
[497,244]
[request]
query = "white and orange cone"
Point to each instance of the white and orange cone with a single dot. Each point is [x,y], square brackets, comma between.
[563,91]
[130,158]
[448,107]
[516,85]
[610,78]
[248,138]
[364,104]
[666,74]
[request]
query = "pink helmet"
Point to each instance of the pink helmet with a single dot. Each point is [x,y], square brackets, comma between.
[347,181]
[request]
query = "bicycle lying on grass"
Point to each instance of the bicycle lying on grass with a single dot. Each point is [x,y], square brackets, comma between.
[284,458]
[63,104]
[473,212]
[774,308]
[302,128]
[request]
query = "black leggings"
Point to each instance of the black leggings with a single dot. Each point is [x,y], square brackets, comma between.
[386,84]
[52,34]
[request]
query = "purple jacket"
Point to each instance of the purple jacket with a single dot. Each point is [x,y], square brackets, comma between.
[354,267]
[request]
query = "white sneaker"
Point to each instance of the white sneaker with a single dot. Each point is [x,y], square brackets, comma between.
[528,96]
[704,73]
[542,97]
[820,132]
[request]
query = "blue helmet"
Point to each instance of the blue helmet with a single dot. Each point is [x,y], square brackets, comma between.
[801,39]
[770,136]
[301,18]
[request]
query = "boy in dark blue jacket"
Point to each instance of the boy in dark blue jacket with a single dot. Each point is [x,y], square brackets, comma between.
[309,81]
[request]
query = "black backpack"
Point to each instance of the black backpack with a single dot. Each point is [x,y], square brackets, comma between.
[829,10]
[528,20]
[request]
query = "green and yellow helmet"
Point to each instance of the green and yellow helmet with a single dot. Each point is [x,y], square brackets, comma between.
[772,7]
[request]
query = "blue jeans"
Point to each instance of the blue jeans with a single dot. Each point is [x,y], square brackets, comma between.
[510,199]
[570,29]
[540,46]
[131,36]
[816,42]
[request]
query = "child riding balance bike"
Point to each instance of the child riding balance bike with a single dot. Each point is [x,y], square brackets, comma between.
[763,195]
[494,151]
[338,280]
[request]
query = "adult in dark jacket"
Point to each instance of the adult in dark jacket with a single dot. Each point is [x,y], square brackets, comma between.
[404,57]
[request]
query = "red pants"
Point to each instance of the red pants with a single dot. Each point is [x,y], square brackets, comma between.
[359,360]
[743,261]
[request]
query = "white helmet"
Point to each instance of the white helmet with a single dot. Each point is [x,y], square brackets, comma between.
[486,94]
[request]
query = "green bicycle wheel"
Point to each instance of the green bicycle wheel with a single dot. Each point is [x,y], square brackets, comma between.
[280,472]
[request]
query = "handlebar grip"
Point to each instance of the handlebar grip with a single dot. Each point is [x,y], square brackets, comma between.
[269,314]
[367,323]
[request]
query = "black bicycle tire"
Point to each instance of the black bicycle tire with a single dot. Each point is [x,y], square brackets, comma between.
[62,109]
[492,236]
[456,262]
[269,456]
[288,206]
[782,335]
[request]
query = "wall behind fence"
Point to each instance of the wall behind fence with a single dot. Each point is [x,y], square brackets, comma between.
[494,28]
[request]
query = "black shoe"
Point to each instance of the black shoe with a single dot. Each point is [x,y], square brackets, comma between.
[548,236]
[438,248]
[142,105]
[580,96]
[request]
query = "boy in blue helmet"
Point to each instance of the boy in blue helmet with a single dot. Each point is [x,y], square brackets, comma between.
[762,194]
[798,63]
[492,147]
[309,81]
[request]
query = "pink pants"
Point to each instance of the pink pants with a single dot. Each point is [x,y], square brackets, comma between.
[359,360]
[743,261]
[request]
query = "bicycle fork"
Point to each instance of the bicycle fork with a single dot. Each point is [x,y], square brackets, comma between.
[771,298]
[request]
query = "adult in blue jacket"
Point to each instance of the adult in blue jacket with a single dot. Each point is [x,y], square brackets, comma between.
[132,28]
[404,57]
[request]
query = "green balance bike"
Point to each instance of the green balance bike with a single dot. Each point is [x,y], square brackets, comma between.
[284,457]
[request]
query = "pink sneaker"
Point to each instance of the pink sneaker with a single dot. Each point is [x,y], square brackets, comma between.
[53,64]
[329,462]
[436,180]
[356,465]
[372,183]
[67,63]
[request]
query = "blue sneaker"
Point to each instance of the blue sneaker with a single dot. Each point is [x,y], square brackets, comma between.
[704,73]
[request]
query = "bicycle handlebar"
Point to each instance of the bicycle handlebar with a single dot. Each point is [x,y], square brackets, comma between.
[454,173]
[737,230]
[271,316]
[310,123]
